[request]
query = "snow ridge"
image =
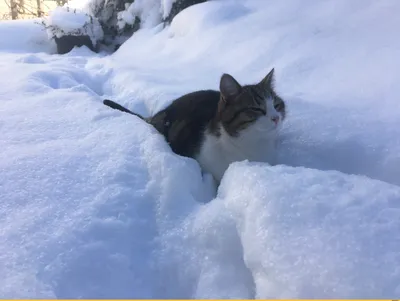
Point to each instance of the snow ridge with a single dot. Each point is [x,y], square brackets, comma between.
[94,204]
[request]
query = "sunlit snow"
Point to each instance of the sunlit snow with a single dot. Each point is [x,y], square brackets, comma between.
[94,204]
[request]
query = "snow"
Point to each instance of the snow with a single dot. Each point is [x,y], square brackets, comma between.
[66,21]
[24,36]
[313,233]
[150,12]
[94,204]
[166,7]
[79,4]
[70,20]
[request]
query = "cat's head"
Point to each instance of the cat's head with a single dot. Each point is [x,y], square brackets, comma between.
[256,106]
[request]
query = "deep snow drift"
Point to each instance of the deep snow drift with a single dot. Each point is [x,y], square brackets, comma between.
[93,203]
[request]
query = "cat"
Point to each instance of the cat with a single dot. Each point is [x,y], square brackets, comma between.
[217,128]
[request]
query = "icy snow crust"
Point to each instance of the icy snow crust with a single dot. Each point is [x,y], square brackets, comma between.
[93,203]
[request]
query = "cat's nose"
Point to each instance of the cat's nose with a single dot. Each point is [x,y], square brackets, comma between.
[275,119]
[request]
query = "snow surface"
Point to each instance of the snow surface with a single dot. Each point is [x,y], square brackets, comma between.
[94,204]
[67,21]
[150,12]
[80,4]
[24,36]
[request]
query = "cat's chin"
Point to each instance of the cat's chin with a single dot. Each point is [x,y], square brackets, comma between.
[265,127]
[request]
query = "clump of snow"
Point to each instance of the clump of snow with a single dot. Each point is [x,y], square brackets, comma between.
[166,7]
[66,21]
[150,13]
[94,204]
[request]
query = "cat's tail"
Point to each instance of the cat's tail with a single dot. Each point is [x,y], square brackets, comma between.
[116,106]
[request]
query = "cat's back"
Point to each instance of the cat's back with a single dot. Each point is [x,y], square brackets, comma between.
[198,104]
[183,122]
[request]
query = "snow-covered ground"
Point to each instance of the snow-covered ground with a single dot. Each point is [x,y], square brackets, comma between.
[93,203]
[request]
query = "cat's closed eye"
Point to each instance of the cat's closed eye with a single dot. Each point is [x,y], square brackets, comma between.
[249,115]
[256,111]
[278,106]
[252,114]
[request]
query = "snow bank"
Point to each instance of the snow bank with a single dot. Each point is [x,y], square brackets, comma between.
[31,36]
[93,203]
[306,233]
[93,227]
[66,21]
[24,36]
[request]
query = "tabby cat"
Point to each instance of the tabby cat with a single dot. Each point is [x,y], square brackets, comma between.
[220,127]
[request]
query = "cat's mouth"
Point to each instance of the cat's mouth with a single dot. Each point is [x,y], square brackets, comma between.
[267,126]
[276,124]
[266,130]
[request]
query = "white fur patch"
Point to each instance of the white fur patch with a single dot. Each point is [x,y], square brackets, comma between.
[255,143]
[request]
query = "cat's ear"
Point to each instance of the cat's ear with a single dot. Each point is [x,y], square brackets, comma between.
[268,81]
[229,87]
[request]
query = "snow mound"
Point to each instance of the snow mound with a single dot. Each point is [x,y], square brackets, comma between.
[287,233]
[66,21]
[24,36]
[305,233]
[94,204]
